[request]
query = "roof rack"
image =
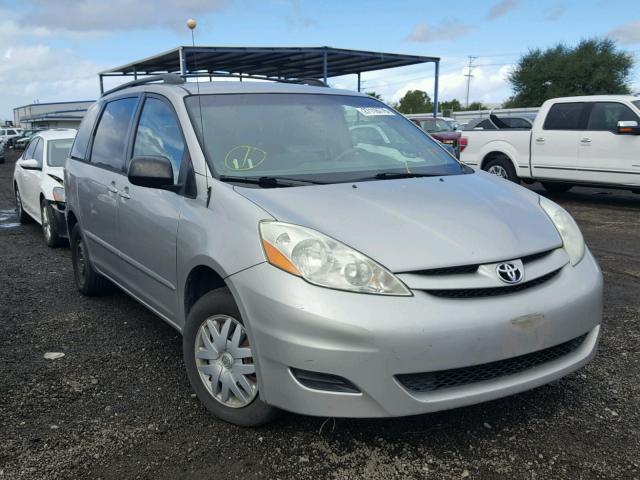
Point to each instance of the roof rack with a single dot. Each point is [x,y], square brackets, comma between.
[169,78]
[175,79]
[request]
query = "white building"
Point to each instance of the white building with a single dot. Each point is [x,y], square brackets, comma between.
[50,115]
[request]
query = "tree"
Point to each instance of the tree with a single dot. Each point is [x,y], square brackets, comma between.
[476,106]
[593,67]
[415,101]
[450,106]
[374,95]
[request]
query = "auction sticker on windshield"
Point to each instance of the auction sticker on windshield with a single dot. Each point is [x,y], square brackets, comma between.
[371,111]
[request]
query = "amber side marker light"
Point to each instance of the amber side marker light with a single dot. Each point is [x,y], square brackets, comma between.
[277,259]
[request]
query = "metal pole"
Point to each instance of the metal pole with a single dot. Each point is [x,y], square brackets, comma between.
[182,62]
[469,75]
[358,81]
[101,84]
[135,73]
[324,66]
[435,89]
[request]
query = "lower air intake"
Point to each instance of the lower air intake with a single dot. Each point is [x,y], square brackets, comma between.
[457,377]
[324,381]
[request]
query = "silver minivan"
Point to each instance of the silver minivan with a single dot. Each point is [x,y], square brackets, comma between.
[321,254]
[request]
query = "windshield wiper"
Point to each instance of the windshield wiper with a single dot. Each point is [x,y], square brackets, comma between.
[269,182]
[392,175]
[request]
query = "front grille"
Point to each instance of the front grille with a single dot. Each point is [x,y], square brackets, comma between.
[440,380]
[535,256]
[491,291]
[448,270]
[461,269]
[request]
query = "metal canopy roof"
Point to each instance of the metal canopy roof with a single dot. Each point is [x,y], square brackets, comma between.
[269,62]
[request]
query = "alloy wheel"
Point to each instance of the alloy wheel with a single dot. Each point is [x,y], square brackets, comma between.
[225,362]
[18,203]
[46,223]
[498,170]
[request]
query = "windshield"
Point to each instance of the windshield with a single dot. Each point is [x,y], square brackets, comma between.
[324,138]
[433,125]
[636,103]
[58,151]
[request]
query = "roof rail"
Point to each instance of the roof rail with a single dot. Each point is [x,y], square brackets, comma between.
[314,82]
[175,79]
[169,78]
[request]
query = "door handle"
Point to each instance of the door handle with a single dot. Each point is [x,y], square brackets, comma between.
[112,188]
[585,140]
[539,140]
[125,194]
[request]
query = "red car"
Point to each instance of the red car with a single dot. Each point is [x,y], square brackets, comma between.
[442,131]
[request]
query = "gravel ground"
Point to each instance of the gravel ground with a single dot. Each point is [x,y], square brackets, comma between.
[118,404]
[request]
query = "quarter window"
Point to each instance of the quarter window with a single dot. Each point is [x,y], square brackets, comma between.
[606,115]
[565,116]
[111,135]
[28,153]
[159,134]
[38,153]
[79,149]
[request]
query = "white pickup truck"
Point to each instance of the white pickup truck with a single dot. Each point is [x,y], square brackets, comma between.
[590,141]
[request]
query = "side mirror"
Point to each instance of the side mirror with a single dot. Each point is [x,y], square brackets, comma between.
[628,127]
[29,164]
[151,172]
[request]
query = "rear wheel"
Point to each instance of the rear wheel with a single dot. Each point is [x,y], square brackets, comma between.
[88,281]
[220,361]
[49,230]
[502,167]
[23,217]
[553,187]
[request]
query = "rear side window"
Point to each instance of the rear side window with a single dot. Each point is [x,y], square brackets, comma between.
[565,116]
[81,142]
[111,135]
[606,115]
[159,134]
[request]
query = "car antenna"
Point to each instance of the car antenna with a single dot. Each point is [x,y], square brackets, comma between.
[191,23]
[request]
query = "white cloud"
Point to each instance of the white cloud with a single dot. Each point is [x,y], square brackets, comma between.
[447,30]
[627,34]
[39,72]
[502,8]
[104,15]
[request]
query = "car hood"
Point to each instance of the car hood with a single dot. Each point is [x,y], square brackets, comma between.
[420,223]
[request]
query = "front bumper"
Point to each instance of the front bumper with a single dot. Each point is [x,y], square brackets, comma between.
[369,339]
[59,219]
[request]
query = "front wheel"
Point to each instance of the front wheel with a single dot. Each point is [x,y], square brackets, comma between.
[502,167]
[49,230]
[220,361]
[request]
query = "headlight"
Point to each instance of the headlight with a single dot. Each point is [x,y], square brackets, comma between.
[58,194]
[567,228]
[324,261]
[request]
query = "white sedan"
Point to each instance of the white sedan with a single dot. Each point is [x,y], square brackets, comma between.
[38,182]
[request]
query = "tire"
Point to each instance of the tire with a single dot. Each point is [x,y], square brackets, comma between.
[49,229]
[214,310]
[89,282]
[501,166]
[553,187]
[23,217]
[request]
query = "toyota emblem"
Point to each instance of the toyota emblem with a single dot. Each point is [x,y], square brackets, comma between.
[509,273]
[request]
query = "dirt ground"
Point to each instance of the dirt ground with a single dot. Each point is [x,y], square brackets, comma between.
[118,404]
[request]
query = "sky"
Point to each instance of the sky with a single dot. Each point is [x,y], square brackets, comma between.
[52,50]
